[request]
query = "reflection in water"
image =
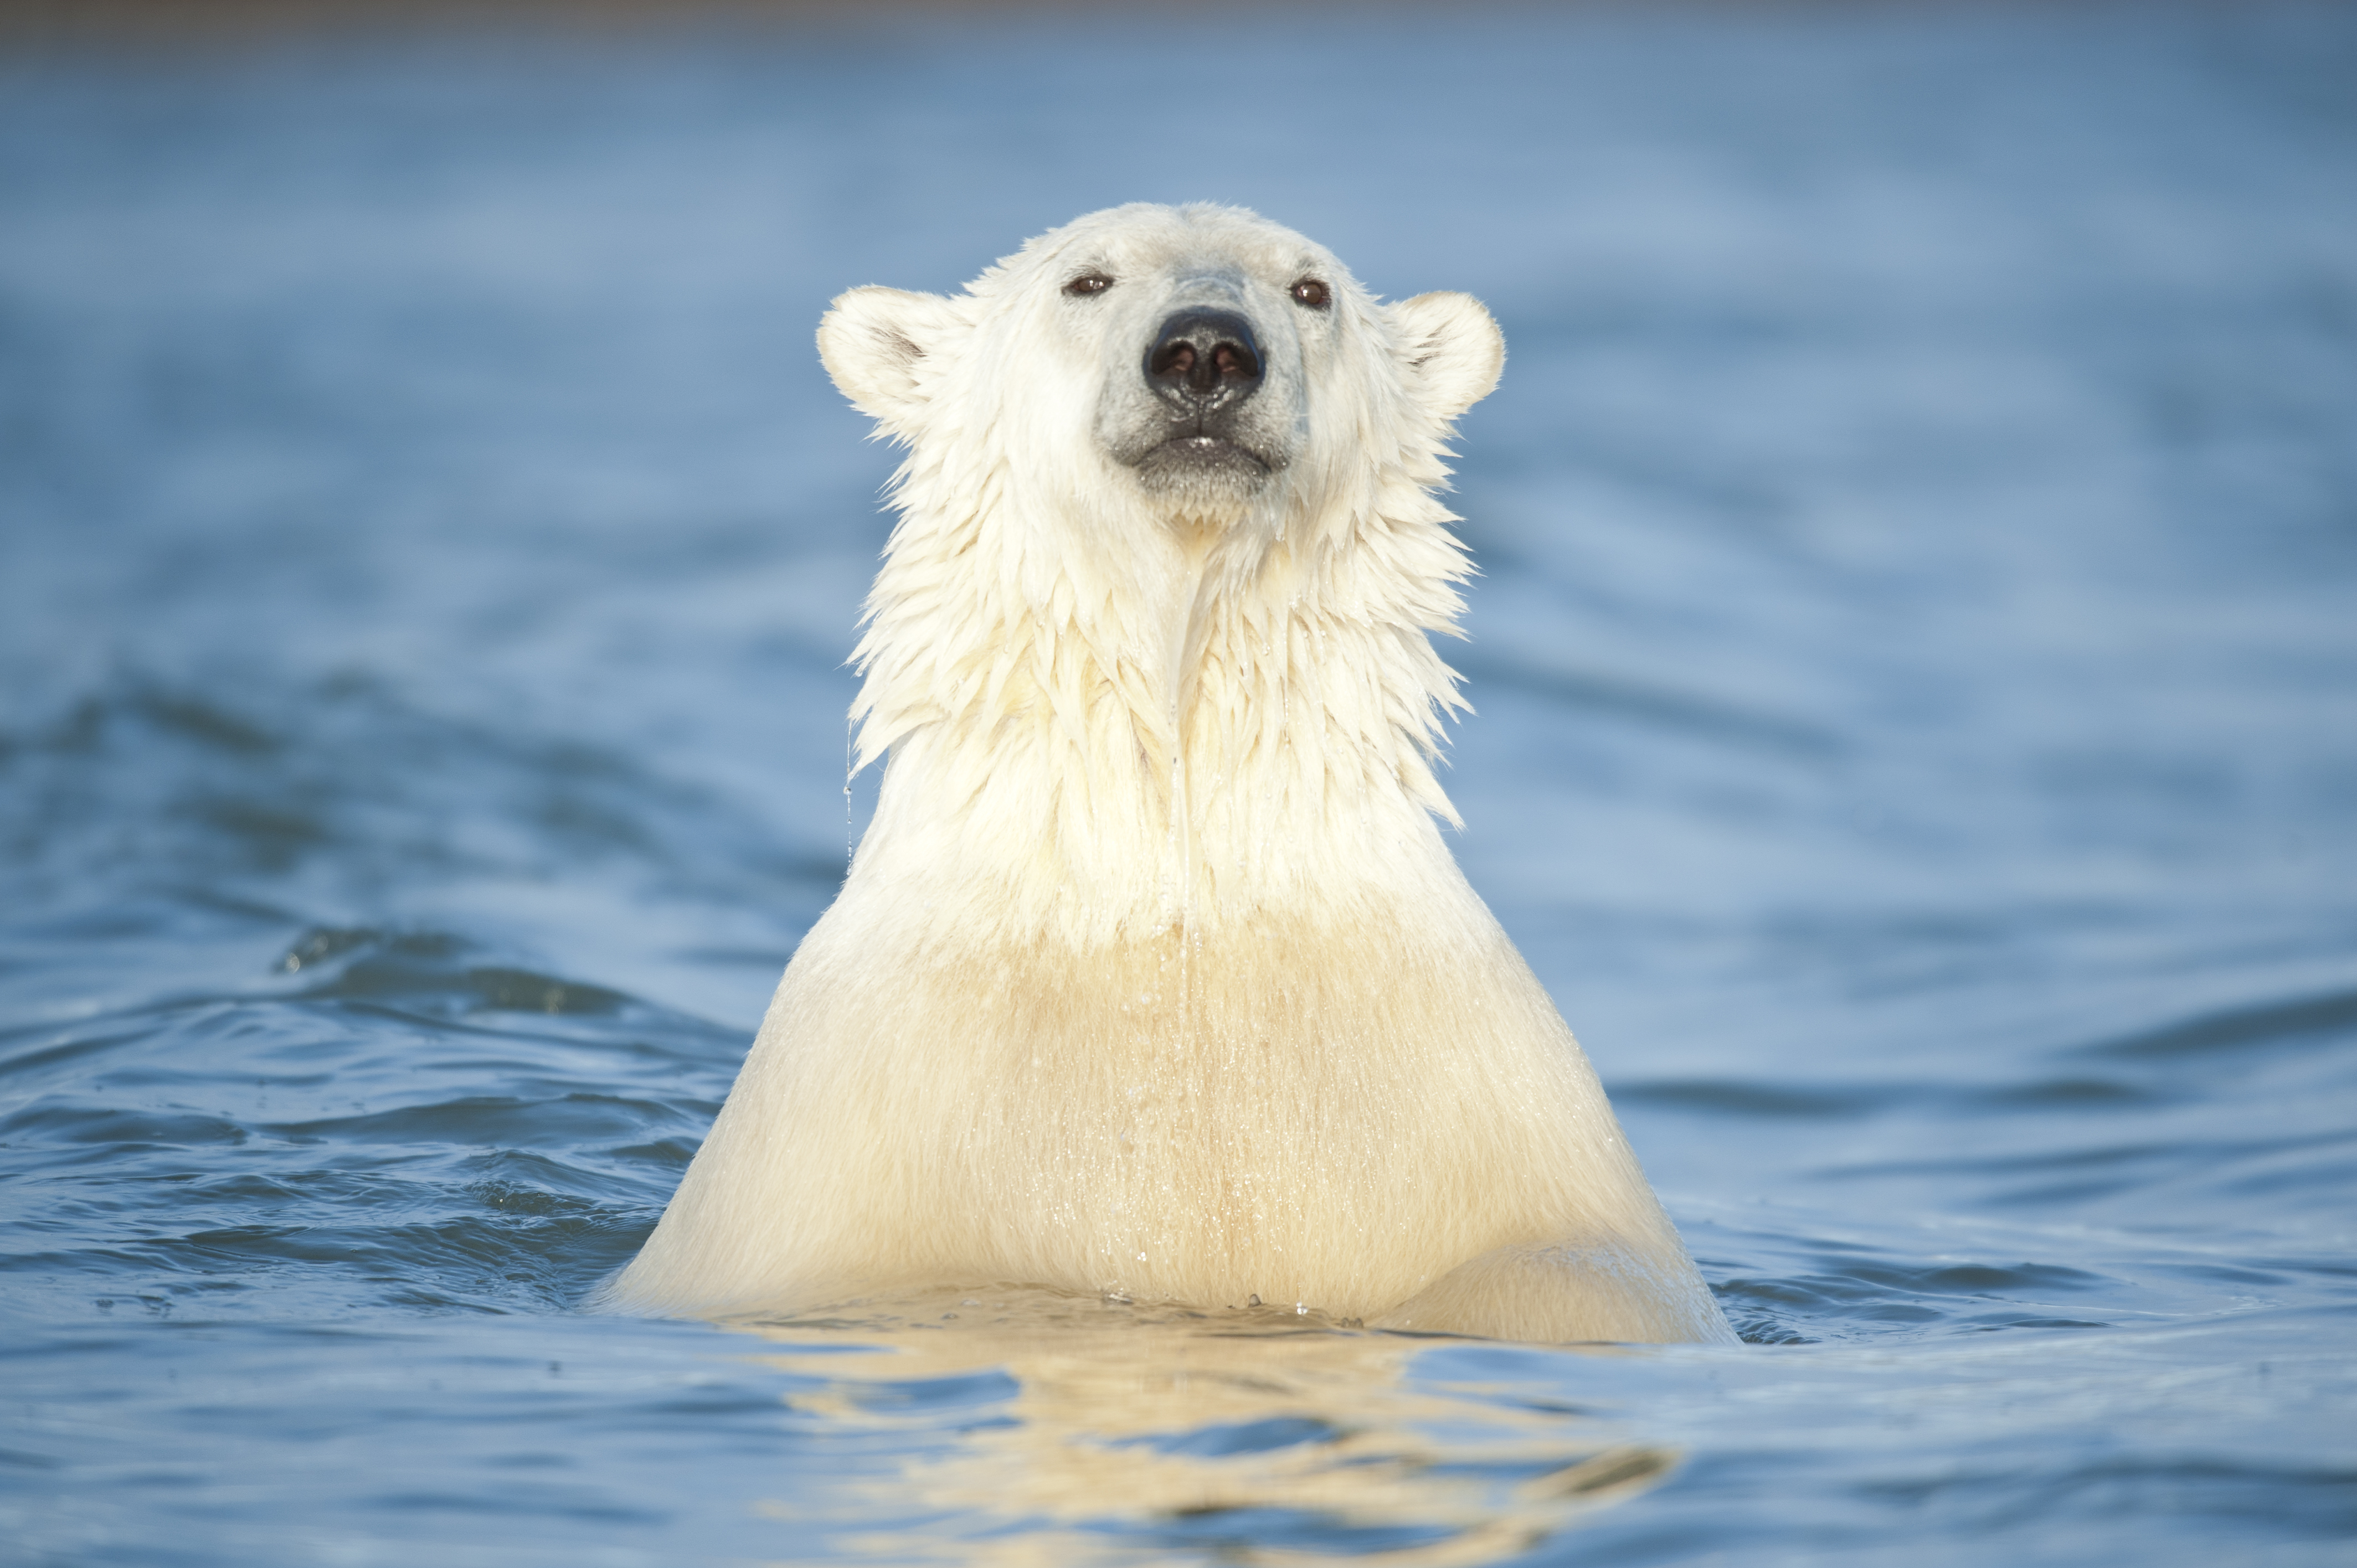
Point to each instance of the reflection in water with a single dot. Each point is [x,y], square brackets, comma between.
[1079,1429]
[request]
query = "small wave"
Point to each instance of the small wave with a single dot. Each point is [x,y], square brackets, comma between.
[117,1129]
[2290,1501]
[440,976]
[2075,1095]
[506,1122]
[374,965]
[2315,1020]
[149,783]
[1830,1290]
[1732,1097]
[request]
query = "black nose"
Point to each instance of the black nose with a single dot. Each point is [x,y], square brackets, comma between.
[1204,359]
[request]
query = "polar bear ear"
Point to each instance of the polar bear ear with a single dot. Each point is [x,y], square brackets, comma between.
[1454,346]
[871,341]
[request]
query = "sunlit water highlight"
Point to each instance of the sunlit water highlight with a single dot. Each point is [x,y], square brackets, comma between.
[1917,678]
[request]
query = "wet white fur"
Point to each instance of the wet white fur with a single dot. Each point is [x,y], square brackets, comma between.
[1152,974]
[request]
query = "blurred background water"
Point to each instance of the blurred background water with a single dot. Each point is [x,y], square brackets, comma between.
[1917,742]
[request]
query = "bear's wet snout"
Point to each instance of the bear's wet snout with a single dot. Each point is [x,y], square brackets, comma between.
[1203,359]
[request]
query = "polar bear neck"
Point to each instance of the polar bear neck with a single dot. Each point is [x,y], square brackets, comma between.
[1107,726]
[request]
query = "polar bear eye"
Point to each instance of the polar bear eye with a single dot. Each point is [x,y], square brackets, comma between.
[1313,292]
[1088,283]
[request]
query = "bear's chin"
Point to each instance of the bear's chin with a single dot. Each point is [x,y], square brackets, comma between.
[1202,473]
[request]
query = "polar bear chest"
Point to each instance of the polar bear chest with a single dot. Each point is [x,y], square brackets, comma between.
[1325,1113]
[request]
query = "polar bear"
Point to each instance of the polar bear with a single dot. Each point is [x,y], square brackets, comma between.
[1152,975]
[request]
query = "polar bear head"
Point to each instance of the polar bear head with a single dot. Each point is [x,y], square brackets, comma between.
[1195,363]
[1168,556]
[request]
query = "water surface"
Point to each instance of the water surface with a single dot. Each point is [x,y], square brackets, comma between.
[1917,744]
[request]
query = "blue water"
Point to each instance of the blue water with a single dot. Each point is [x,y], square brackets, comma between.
[1917,742]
